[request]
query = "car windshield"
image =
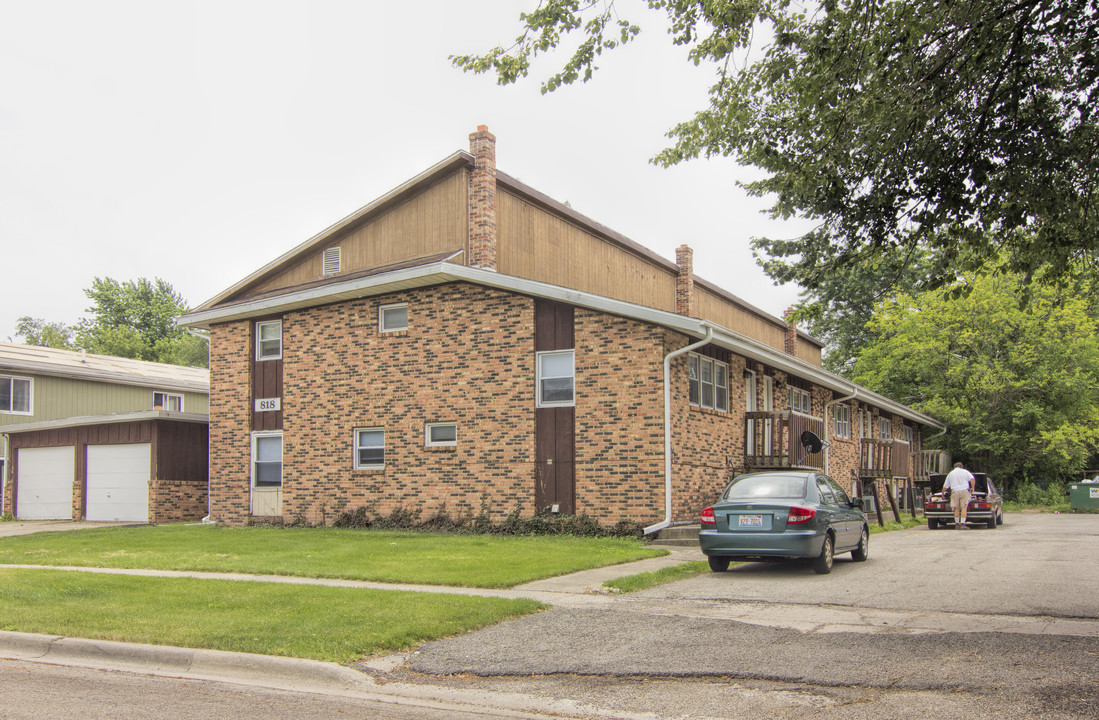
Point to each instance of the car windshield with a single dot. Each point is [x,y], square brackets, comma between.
[755,487]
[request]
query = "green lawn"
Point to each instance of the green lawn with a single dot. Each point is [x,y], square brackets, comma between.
[396,557]
[322,623]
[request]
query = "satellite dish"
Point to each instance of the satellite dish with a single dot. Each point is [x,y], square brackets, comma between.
[811,442]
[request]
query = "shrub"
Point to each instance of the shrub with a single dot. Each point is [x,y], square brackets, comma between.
[515,523]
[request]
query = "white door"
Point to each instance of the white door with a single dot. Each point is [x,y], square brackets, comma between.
[118,482]
[44,485]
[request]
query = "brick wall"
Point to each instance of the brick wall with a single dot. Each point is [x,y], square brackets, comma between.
[467,357]
[230,422]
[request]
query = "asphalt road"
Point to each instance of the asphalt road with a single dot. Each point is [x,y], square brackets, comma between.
[1035,568]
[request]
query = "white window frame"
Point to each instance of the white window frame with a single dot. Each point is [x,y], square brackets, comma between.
[430,442]
[841,420]
[10,409]
[907,433]
[260,340]
[383,310]
[358,446]
[699,367]
[330,261]
[256,437]
[167,398]
[541,377]
[885,428]
[799,400]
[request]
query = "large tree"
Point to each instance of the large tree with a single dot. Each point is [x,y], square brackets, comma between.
[131,319]
[965,128]
[1018,388]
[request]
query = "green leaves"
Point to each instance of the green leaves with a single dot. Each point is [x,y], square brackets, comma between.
[964,129]
[1018,388]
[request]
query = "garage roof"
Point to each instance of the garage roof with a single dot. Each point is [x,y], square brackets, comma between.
[32,359]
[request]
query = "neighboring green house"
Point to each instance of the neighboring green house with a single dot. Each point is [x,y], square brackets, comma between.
[101,438]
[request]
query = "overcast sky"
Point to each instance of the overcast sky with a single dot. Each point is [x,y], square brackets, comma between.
[196,141]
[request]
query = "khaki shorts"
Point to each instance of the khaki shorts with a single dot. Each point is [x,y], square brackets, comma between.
[959,499]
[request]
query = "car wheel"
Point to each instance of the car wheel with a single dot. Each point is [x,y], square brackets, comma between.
[1000,518]
[932,524]
[718,564]
[822,563]
[992,522]
[860,553]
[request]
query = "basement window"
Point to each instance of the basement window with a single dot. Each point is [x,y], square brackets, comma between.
[443,434]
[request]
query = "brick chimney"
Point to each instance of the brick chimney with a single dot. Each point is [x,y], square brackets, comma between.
[791,342]
[685,281]
[482,199]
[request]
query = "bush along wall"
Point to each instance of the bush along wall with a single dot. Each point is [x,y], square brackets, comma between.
[515,523]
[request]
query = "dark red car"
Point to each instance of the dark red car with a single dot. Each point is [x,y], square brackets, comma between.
[986,506]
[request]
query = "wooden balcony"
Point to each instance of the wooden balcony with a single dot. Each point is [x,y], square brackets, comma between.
[773,440]
[885,458]
[926,463]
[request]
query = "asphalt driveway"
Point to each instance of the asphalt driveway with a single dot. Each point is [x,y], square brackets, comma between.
[1036,569]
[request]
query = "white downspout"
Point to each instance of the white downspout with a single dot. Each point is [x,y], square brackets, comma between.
[668,429]
[827,455]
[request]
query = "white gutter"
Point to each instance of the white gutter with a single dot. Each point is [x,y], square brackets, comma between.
[668,429]
[827,455]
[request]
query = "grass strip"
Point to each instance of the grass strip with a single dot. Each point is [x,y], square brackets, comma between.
[641,581]
[483,561]
[319,623]
[906,522]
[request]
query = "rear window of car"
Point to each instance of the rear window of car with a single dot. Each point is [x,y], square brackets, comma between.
[754,487]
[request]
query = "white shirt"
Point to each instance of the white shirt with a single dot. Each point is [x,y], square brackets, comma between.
[958,479]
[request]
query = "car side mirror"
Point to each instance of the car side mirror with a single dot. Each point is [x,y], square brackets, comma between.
[856,502]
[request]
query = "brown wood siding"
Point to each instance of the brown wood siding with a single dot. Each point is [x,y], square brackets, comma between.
[536,244]
[718,310]
[431,222]
[809,352]
[181,451]
[267,383]
[554,427]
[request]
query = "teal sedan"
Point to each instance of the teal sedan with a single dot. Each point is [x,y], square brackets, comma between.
[784,515]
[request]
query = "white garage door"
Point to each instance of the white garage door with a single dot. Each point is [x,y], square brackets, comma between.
[44,485]
[118,482]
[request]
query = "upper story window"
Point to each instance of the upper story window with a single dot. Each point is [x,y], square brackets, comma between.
[269,340]
[330,261]
[885,428]
[15,395]
[907,434]
[707,383]
[392,318]
[167,401]
[841,421]
[800,400]
[556,383]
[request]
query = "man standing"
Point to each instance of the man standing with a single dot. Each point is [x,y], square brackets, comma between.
[960,484]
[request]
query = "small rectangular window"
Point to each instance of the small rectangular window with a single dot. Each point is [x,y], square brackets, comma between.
[269,340]
[556,379]
[392,318]
[267,460]
[800,400]
[885,428]
[708,383]
[369,448]
[167,401]
[841,421]
[330,261]
[15,395]
[441,434]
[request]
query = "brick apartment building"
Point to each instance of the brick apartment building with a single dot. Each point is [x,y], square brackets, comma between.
[465,342]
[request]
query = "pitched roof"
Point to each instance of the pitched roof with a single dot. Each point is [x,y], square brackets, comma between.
[35,360]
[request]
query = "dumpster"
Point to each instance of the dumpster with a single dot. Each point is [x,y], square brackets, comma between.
[1085,495]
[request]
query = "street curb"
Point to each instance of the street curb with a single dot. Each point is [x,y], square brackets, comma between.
[274,673]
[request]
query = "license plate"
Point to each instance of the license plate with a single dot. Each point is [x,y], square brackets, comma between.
[751,521]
